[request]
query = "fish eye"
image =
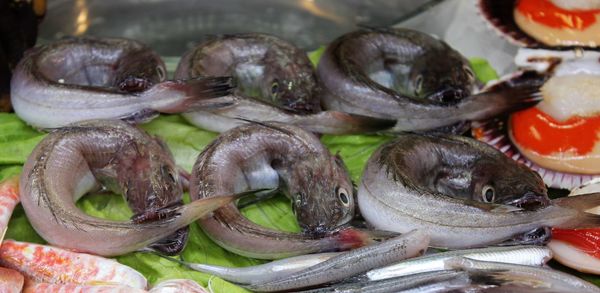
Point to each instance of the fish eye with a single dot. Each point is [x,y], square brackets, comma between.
[342,194]
[275,88]
[488,194]
[160,71]
[418,84]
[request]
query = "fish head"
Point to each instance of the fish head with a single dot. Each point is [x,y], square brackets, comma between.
[291,86]
[152,178]
[451,80]
[323,198]
[514,184]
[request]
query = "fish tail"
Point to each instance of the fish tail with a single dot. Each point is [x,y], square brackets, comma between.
[520,92]
[351,238]
[177,96]
[336,122]
[202,208]
[581,203]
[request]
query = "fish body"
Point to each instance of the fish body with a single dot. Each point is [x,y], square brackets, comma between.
[525,255]
[11,281]
[77,79]
[79,288]
[178,286]
[62,168]
[391,197]
[47,264]
[410,77]
[276,156]
[275,81]
[431,282]
[351,263]
[503,277]
[9,198]
[261,273]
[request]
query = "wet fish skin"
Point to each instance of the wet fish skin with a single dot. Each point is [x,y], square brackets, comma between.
[520,278]
[274,155]
[525,255]
[59,171]
[44,263]
[431,282]
[275,82]
[265,67]
[11,281]
[410,77]
[260,273]
[390,198]
[351,263]
[83,78]
[464,168]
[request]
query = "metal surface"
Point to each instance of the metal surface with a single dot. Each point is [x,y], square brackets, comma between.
[173,26]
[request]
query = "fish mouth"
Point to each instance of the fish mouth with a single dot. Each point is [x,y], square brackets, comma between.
[448,95]
[531,201]
[537,236]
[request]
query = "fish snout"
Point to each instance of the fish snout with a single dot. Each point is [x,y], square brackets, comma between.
[531,201]
[449,95]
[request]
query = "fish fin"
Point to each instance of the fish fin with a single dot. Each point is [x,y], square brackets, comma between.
[198,93]
[140,117]
[337,122]
[505,209]
[172,244]
[580,202]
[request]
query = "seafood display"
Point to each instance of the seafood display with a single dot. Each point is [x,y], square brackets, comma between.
[559,137]
[85,78]
[275,82]
[68,163]
[412,78]
[285,157]
[392,197]
[272,205]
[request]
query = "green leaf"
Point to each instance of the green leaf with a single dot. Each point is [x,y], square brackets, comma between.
[483,70]
[17,140]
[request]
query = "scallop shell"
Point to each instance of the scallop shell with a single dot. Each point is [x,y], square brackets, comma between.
[499,16]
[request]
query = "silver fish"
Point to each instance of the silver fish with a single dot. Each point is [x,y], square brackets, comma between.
[410,77]
[61,169]
[77,79]
[525,255]
[263,273]
[351,263]
[430,282]
[277,156]
[503,277]
[392,197]
[275,82]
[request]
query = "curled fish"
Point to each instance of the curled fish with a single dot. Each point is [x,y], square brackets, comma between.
[62,168]
[412,78]
[272,156]
[275,81]
[392,196]
[77,79]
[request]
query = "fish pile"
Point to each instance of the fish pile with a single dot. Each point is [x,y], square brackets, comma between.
[431,187]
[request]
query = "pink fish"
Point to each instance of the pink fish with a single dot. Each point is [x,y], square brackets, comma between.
[178,286]
[9,198]
[10,281]
[42,263]
[78,288]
